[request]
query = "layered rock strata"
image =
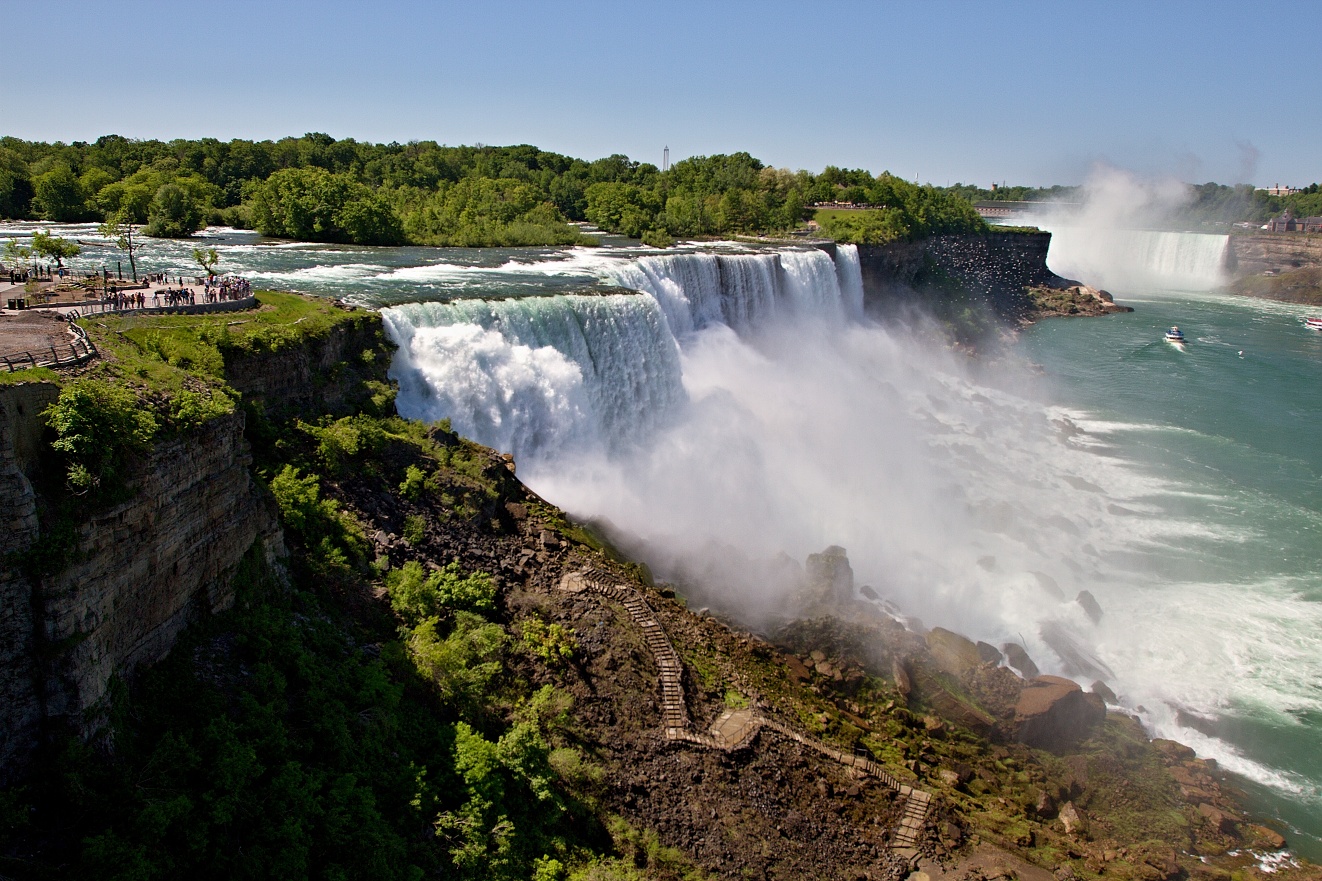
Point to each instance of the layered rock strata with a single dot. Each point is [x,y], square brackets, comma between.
[137,573]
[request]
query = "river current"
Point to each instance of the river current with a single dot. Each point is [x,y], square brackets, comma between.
[729,406]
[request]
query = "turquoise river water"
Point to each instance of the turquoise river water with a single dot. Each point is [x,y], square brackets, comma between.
[727,403]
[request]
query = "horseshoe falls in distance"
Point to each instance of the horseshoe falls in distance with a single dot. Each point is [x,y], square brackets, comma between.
[737,410]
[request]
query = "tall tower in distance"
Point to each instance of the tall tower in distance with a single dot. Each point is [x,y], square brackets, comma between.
[665,159]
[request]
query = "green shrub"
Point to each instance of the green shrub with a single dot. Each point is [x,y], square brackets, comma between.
[190,409]
[416,596]
[97,426]
[415,480]
[415,529]
[657,238]
[462,663]
[344,439]
[332,538]
[553,643]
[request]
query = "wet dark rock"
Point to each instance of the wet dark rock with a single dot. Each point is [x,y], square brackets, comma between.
[952,652]
[1090,605]
[989,653]
[1079,661]
[1054,713]
[1017,658]
[1104,692]
[830,577]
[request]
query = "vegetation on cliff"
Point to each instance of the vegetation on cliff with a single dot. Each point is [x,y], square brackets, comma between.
[413,696]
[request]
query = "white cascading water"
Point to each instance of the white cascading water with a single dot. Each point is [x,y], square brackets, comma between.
[540,377]
[1133,260]
[738,411]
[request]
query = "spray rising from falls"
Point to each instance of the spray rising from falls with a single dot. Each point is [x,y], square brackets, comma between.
[738,414]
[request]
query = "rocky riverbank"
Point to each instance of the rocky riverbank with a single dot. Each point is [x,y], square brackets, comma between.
[403,721]
[1070,301]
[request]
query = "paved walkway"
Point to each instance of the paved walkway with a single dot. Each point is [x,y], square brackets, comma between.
[39,338]
[735,729]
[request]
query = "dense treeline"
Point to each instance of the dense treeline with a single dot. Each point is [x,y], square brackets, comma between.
[1217,203]
[321,189]
[975,193]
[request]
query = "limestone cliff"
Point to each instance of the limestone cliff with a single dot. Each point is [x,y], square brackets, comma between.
[20,433]
[147,567]
[138,572]
[1276,253]
[989,271]
[320,375]
[1280,266]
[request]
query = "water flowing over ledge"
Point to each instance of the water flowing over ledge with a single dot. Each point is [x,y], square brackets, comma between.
[739,408]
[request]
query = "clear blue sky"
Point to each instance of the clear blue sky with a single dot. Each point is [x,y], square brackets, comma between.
[1025,92]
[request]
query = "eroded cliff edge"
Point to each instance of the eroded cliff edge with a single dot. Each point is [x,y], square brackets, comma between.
[536,733]
[90,590]
[974,284]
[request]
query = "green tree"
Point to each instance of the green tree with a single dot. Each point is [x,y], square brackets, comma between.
[174,213]
[121,229]
[54,247]
[58,195]
[622,208]
[96,424]
[16,254]
[15,185]
[206,259]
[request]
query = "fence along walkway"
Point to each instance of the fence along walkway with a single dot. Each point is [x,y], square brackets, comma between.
[735,729]
[79,351]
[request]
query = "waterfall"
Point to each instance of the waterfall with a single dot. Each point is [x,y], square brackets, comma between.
[851,279]
[538,376]
[543,377]
[1133,260]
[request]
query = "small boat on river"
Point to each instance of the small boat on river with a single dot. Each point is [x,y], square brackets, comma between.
[1175,335]
[1313,323]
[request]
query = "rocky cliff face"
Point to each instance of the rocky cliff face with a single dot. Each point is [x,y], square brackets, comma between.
[1277,254]
[146,568]
[992,270]
[20,433]
[321,375]
[140,571]
[1281,266]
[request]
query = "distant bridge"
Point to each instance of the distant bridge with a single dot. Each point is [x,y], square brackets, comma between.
[1015,209]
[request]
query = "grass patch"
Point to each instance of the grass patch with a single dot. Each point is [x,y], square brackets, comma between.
[30,374]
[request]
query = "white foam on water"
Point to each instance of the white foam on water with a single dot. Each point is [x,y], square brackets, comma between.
[738,409]
[333,272]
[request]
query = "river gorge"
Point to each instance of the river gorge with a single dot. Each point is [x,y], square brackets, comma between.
[724,410]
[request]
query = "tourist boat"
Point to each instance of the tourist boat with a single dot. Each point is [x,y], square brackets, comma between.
[1313,323]
[1174,335]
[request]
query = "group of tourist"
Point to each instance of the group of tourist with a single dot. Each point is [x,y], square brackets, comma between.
[214,290]
[229,288]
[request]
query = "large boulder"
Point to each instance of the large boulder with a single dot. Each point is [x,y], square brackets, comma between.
[1054,713]
[1017,658]
[830,577]
[1090,605]
[955,654]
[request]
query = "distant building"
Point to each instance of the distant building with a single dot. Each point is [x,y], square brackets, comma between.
[1279,190]
[1284,223]
[1310,224]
